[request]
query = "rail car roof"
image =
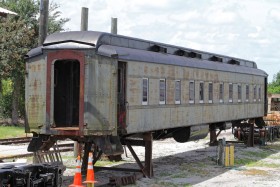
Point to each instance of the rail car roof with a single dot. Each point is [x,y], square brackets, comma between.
[128,48]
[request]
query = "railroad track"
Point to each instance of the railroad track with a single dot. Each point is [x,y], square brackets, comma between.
[9,141]
[63,147]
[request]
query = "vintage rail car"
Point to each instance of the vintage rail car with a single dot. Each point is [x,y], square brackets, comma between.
[100,87]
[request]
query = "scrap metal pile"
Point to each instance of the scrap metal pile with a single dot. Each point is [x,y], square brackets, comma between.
[43,175]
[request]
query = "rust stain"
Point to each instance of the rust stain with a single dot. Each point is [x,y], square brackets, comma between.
[170,92]
[171,71]
[156,70]
[146,70]
[207,76]
[162,70]
[186,74]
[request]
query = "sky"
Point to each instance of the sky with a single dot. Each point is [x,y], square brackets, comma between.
[247,29]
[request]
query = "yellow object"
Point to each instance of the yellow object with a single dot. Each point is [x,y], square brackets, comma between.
[231,160]
[229,155]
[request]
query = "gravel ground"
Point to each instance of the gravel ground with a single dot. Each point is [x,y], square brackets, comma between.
[194,164]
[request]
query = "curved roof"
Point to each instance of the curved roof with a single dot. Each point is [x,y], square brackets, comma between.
[129,48]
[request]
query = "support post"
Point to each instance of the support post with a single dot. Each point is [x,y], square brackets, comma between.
[43,21]
[213,135]
[114,25]
[250,141]
[148,138]
[87,149]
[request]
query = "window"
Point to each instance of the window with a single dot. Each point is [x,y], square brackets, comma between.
[191,92]
[177,91]
[239,92]
[255,93]
[145,87]
[162,91]
[210,92]
[260,94]
[201,92]
[230,92]
[221,92]
[247,93]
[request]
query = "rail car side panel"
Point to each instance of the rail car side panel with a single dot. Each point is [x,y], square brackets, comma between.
[35,94]
[155,116]
[100,96]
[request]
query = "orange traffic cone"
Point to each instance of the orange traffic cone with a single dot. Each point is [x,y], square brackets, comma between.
[90,172]
[78,175]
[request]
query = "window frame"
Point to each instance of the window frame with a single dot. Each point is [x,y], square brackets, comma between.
[221,94]
[162,102]
[247,90]
[254,93]
[191,92]
[260,93]
[201,92]
[179,92]
[145,102]
[230,92]
[210,92]
[239,93]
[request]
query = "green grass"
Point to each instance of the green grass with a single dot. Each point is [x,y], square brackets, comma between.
[258,154]
[11,132]
[263,164]
[244,161]
[102,163]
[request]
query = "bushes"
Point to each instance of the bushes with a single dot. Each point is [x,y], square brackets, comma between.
[6,99]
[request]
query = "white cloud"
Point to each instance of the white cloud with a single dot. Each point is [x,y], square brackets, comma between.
[245,29]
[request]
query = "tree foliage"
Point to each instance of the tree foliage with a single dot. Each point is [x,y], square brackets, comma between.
[274,86]
[19,34]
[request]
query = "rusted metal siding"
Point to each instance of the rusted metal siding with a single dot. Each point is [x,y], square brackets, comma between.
[100,96]
[155,116]
[35,94]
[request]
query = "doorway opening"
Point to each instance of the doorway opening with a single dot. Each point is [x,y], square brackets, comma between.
[66,93]
[121,96]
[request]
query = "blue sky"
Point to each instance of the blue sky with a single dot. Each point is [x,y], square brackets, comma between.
[248,29]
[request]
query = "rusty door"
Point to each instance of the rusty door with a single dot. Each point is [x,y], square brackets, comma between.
[122,95]
[65,92]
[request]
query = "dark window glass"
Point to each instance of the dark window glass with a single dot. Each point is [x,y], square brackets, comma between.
[162,91]
[177,91]
[191,92]
[145,91]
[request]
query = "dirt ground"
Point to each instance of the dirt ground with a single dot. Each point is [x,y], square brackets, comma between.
[194,164]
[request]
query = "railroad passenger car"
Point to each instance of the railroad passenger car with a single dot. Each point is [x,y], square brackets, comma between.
[101,87]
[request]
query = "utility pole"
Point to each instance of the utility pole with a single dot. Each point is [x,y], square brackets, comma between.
[84,19]
[43,22]
[84,27]
[114,25]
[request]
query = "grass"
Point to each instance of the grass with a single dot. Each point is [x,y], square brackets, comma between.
[244,161]
[163,183]
[259,154]
[255,172]
[11,132]
[263,164]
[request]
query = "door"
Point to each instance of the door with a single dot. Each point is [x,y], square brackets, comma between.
[65,92]
[122,95]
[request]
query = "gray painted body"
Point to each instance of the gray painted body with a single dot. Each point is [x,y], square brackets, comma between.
[103,51]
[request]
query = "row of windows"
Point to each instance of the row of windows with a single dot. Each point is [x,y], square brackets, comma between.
[177,90]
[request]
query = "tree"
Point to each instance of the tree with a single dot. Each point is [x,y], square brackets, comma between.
[19,34]
[274,86]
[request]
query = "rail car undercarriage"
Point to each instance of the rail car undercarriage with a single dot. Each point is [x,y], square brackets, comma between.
[112,146]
